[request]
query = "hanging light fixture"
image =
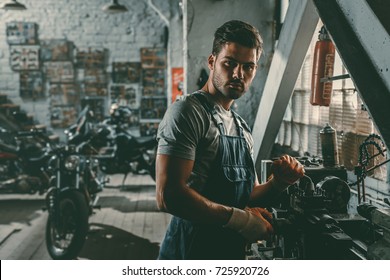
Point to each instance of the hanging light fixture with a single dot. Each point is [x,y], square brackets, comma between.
[13,5]
[114,8]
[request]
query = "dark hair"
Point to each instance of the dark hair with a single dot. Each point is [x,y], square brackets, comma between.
[240,32]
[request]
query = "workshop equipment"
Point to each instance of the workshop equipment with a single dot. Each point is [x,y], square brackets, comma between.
[329,146]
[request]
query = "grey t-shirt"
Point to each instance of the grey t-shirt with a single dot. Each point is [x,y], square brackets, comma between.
[187,131]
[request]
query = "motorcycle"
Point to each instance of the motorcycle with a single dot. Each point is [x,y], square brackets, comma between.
[118,150]
[74,185]
[23,161]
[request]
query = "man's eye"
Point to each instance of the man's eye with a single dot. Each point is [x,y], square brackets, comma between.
[249,67]
[229,63]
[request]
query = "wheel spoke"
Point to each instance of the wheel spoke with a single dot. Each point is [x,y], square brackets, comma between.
[65,237]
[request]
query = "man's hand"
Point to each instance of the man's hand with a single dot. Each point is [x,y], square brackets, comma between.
[262,213]
[286,171]
[251,223]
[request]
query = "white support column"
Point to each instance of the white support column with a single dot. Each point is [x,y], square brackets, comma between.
[296,34]
[185,45]
[373,37]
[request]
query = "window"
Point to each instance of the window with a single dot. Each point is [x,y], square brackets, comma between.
[302,122]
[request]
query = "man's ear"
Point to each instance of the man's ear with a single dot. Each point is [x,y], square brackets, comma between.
[210,62]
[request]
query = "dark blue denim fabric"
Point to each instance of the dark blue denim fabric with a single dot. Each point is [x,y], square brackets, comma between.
[230,183]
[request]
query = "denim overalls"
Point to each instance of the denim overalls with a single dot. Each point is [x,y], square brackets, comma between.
[230,183]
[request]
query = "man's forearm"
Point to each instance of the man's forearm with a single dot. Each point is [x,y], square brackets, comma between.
[266,194]
[188,204]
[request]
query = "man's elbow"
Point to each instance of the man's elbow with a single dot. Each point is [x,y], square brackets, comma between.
[161,205]
[167,200]
[160,198]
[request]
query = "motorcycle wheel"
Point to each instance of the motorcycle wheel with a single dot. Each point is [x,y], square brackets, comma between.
[65,239]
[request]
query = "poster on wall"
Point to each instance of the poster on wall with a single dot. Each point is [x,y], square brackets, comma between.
[22,33]
[31,85]
[153,108]
[91,57]
[95,90]
[24,57]
[153,57]
[56,50]
[95,76]
[153,81]
[126,95]
[177,82]
[64,94]
[59,71]
[126,72]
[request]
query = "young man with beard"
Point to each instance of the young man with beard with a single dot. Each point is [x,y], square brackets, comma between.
[205,171]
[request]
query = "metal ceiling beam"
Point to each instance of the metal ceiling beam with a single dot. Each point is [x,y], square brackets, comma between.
[294,41]
[364,47]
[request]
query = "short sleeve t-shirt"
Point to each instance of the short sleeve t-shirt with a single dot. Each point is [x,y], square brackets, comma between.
[187,131]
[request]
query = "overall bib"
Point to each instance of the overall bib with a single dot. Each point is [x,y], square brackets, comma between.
[230,183]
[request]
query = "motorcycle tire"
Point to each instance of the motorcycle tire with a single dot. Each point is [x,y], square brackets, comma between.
[65,240]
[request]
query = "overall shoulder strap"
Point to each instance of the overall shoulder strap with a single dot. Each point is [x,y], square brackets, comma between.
[211,110]
[242,121]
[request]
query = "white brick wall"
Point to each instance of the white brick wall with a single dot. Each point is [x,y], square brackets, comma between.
[86,25]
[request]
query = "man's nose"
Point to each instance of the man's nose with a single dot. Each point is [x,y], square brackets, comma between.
[238,72]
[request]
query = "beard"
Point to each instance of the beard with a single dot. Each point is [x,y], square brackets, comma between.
[232,89]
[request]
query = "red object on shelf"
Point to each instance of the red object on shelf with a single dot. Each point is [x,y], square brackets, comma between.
[323,65]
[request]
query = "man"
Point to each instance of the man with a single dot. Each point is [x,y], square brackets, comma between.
[205,172]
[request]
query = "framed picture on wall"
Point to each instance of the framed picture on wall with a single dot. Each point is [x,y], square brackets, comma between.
[153,82]
[22,33]
[59,71]
[153,57]
[126,94]
[24,57]
[95,90]
[126,72]
[91,57]
[95,76]
[153,108]
[64,94]
[31,85]
[56,50]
